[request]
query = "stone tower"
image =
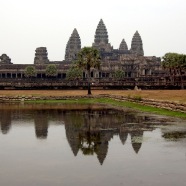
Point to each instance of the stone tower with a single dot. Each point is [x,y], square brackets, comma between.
[41,56]
[137,45]
[73,46]
[123,45]
[101,41]
[4,59]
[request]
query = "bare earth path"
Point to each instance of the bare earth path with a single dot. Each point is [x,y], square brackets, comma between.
[178,96]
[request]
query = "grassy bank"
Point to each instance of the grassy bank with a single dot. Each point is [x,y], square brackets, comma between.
[124,104]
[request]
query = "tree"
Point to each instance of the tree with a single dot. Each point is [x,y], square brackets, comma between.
[88,58]
[51,70]
[181,66]
[30,71]
[175,64]
[169,63]
[118,74]
[74,73]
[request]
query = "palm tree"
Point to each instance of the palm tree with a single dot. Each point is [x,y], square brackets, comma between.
[88,58]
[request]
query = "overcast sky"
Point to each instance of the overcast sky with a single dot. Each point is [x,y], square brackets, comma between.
[28,24]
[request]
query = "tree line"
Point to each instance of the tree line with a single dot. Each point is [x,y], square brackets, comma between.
[175,65]
[50,71]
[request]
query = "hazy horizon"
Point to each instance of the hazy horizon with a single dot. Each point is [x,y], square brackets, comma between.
[26,25]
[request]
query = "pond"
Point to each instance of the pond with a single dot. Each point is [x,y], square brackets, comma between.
[89,145]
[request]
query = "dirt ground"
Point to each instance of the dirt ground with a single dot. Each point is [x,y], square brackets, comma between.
[170,95]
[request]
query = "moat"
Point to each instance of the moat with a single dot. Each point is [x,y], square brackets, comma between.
[69,144]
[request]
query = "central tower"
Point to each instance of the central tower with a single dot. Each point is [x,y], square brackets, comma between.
[101,41]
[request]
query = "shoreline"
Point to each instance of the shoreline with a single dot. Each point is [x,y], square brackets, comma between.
[160,107]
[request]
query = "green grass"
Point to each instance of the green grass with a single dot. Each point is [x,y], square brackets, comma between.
[125,104]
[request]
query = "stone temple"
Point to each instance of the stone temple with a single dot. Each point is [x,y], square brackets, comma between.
[131,61]
[101,42]
[137,69]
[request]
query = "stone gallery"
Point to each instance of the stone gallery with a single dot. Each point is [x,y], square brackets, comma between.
[120,68]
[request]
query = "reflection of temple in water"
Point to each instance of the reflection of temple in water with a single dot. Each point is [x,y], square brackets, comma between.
[41,124]
[5,120]
[87,131]
[91,131]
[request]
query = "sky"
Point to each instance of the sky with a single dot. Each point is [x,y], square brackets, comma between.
[28,24]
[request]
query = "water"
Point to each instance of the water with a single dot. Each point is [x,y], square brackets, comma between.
[54,145]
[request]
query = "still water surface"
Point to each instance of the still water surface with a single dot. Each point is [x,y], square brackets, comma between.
[89,145]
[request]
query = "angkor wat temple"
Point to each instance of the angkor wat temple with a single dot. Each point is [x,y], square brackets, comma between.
[138,70]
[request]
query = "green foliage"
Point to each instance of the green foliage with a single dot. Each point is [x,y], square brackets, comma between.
[88,58]
[74,73]
[175,64]
[30,71]
[122,104]
[51,70]
[119,74]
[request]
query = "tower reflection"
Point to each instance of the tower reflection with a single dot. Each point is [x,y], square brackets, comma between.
[41,124]
[5,119]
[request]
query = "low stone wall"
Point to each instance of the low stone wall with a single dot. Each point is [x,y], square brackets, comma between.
[150,102]
[155,103]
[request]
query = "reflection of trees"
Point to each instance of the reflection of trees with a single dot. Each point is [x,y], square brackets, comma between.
[41,124]
[95,142]
[174,135]
[5,118]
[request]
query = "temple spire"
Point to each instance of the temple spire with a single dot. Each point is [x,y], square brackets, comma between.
[73,46]
[137,45]
[101,41]
[123,45]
